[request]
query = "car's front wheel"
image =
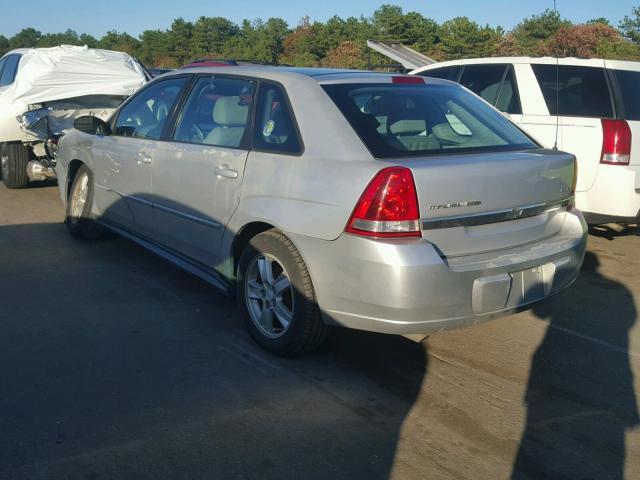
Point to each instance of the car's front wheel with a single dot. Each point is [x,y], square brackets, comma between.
[13,163]
[276,296]
[80,221]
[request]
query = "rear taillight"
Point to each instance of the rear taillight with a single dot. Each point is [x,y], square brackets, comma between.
[408,80]
[574,182]
[616,142]
[388,207]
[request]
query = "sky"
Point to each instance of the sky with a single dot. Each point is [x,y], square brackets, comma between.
[135,16]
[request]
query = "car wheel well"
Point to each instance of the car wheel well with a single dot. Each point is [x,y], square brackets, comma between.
[74,166]
[244,236]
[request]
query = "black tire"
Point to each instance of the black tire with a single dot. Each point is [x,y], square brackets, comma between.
[15,157]
[306,330]
[82,225]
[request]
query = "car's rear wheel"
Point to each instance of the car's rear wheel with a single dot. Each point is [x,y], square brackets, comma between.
[80,221]
[13,163]
[276,296]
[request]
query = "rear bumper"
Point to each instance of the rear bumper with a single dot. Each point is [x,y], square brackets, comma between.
[613,197]
[405,287]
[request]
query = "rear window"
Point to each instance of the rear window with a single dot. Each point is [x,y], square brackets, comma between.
[628,83]
[574,91]
[397,120]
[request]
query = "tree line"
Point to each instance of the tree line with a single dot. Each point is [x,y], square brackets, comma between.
[341,42]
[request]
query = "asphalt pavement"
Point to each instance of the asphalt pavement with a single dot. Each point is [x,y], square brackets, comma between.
[117,365]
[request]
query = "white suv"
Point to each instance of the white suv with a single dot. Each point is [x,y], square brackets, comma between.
[599,119]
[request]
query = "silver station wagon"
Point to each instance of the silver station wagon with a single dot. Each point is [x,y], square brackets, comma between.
[319,197]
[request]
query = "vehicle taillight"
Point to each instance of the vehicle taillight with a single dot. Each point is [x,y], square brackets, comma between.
[616,142]
[574,182]
[388,206]
[409,80]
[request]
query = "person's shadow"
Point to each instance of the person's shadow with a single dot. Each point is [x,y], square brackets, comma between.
[580,397]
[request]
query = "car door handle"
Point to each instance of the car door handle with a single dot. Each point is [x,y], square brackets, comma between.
[226,172]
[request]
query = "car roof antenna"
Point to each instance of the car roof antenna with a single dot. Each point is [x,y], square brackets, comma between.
[557,54]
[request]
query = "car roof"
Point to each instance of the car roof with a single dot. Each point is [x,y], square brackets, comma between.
[572,61]
[284,74]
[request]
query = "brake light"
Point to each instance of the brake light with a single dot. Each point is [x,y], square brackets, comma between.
[574,182]
[388,207]
[616,142]
[413,79]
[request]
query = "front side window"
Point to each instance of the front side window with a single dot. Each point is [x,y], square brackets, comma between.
[396,120]
[216,112]
[146,114]
[9,71]
[275,129]
[574,91]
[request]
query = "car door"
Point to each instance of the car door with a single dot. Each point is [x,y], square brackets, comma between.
[123,160]
[197,175]
[9,129]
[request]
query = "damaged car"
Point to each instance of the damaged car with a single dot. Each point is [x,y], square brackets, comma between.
[43,91]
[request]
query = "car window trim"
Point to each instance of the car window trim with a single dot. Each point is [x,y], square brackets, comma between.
[294,122]
[244,143]
[114,118]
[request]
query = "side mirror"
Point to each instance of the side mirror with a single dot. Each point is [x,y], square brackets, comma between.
[91,125]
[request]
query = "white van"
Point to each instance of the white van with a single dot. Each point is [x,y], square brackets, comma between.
[598,103]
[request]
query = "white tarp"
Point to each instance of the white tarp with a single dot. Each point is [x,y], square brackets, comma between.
[47,74]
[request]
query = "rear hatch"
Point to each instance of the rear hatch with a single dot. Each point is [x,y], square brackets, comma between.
[491,201]
[482,184]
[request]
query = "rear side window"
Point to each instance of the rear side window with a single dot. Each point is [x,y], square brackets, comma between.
[9,71]
[275,129]
[495,84]
[397,120]
[445,73]
[574,91]
[629,83]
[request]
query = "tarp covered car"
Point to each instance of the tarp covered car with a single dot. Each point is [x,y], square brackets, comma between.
[43,91]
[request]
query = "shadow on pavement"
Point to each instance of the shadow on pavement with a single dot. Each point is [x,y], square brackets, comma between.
[115,364]
[611,232]
[580,398]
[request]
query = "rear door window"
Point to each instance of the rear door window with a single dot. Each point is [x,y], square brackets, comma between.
[629,82]
[495,84]
[9,71]
[414,120]
[445,73]
[216,113]
[574,91]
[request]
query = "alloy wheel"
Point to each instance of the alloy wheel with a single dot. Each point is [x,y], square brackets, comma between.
[269,296]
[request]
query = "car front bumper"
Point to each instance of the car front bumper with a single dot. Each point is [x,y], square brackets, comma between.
[405,286]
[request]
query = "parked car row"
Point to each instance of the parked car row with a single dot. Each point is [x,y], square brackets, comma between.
[319,197]
[590,108]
